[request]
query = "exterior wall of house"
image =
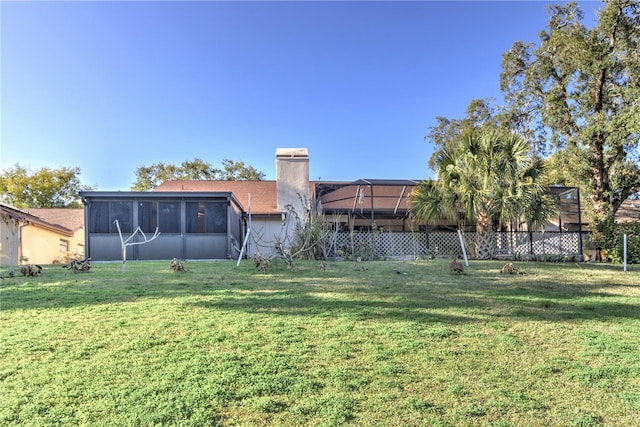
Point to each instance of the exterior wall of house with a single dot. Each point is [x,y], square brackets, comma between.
[32,243]
[265,232]
[42,246]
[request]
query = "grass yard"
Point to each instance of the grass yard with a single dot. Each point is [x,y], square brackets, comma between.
[357,344]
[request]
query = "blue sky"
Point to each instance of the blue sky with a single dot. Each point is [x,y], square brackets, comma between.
[111,86]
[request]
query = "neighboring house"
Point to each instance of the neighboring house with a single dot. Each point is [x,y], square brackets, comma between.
[40,236]
[629,211]
[569,215]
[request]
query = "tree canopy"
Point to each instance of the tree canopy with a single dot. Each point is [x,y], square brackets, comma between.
[149,177]
[481,114]
[574,96]
[44,188]
[576,93]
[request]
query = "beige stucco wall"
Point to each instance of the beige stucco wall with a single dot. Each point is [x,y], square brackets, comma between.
[42,246]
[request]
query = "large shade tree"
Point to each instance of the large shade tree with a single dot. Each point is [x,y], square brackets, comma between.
[576,94]
[489,177]
[45,188]
[149,177]
[480,114]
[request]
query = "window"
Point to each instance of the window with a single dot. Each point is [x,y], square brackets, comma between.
[64,246]
[122,212]
[206,217]
[168,217]
[148,216]
[103,215]
[162,215]
[151,215]
[99,217]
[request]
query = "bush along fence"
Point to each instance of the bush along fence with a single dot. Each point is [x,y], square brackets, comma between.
[366,245]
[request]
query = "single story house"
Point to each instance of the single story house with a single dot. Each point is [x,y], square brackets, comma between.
[40,236]
[199,219]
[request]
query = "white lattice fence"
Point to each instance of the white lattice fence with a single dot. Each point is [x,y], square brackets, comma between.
[447,243]
[401,244]
[539,243]
[556,243]
[360,243]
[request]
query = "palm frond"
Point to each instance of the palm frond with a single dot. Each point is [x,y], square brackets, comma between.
[431,202]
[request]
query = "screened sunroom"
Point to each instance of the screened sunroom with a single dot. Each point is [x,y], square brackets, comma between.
[191,225]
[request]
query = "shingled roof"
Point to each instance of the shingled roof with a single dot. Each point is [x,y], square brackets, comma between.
[63,221]
[264,194]
[71,219]
[628,211]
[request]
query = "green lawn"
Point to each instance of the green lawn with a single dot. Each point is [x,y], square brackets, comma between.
[357,344]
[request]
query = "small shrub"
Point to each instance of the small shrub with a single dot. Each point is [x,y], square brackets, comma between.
[177,265]
[76,265]
[260,262]
[31,270]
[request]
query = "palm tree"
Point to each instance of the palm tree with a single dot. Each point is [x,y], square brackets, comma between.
[488,176]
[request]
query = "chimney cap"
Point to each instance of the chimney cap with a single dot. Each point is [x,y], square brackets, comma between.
[292,152]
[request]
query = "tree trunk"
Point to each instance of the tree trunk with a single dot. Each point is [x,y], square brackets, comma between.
[485,237]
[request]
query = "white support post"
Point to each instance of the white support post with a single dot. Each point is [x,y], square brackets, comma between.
[246,238]
[464,251]
[244,247]
[625,253]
